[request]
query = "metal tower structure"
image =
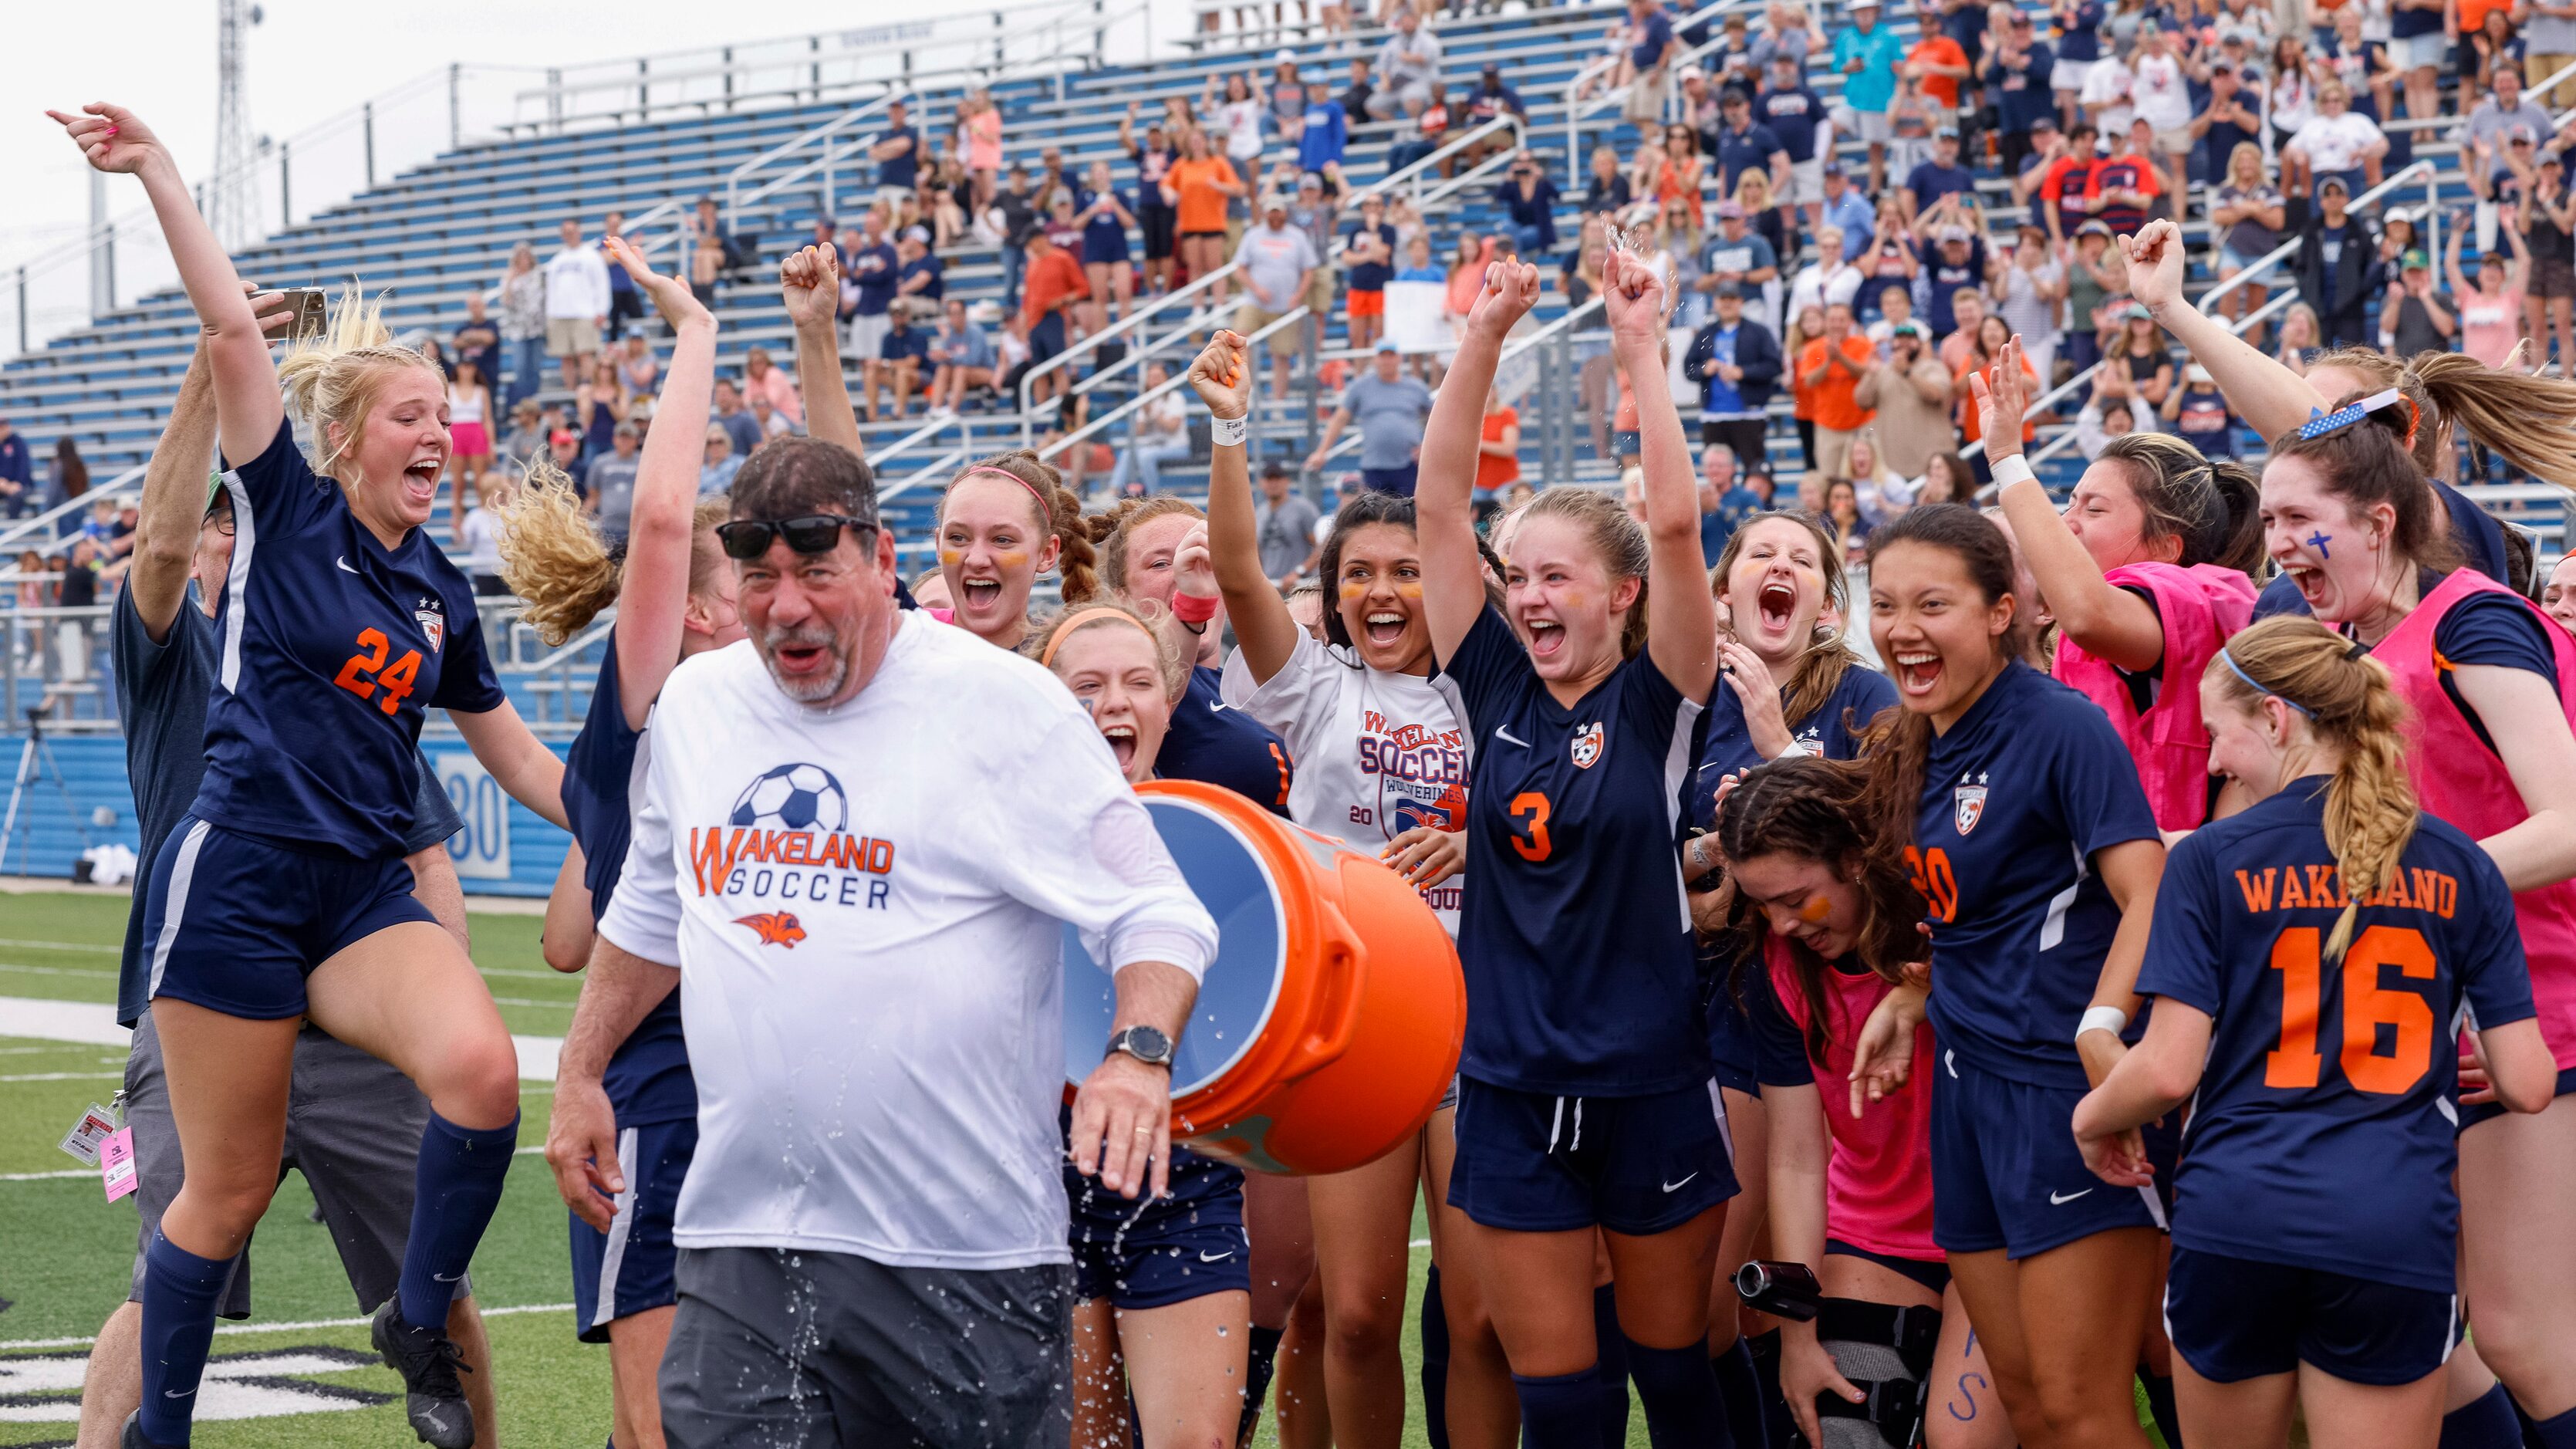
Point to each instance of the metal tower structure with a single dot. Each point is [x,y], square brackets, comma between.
[232,190]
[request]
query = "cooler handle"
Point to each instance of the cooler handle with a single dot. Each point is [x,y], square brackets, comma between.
[1343,992]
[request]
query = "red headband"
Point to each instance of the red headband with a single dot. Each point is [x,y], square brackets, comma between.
[1046,509]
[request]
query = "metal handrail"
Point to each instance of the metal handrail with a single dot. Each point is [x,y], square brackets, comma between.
[2534,92]
[14,538]
[734,179]
[2209,298]
[1576,110]
[2066,439]
[1512,347]
[1293,317]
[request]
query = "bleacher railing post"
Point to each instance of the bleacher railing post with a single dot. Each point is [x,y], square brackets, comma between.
[22,309]
[727,55]
[455,105]
[285,184]
[367,124]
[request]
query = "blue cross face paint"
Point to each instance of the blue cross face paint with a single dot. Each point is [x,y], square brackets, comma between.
[2318,541]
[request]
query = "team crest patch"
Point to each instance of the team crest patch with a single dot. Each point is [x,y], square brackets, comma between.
[433,627]
[775,928]
[1968,804]
[1587,745]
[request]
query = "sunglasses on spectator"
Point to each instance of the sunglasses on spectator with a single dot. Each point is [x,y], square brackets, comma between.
[748,538]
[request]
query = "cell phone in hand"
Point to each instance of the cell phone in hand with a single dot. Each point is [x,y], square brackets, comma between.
[312,308]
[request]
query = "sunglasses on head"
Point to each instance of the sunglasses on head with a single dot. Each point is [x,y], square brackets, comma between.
[750,538]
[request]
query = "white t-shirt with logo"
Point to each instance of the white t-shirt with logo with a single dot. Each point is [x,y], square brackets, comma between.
[2158,93]
[1377,754]
[864,904]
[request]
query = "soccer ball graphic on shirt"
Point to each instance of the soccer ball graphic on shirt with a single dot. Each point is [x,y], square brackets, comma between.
[794,797]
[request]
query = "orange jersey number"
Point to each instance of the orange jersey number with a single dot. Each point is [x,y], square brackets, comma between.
[2368,1005]
[394,682]
[1534,805]
[1933,880]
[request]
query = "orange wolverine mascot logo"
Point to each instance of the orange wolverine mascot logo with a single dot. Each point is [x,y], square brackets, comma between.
[776,928]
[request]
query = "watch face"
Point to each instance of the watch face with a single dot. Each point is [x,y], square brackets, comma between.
[1146,1044]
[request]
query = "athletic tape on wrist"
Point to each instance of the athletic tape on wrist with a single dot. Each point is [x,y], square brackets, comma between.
[1227,432]
[2103,1018]
[2010,469]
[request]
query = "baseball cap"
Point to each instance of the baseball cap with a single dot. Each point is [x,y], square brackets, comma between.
[1734,96]
[1909,329]
[2414,261]
[2135,311]
[1954,234]
[1729,289]
[2336,183]
[2094,228]
[1387,344]
[1692,72]
[563,435]
[919,234]
[1833,168]
[1945,133]
[1273,201]
[1274,469]
[2043,123]
[1284,57]
[1310,182]
[1730,208]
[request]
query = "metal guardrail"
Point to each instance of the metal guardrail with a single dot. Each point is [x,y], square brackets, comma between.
[55,659]
[1295,317]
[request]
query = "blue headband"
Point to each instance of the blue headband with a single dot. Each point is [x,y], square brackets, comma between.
[2228,659]
[2320,424]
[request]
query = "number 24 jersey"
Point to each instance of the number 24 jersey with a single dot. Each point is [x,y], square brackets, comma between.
[331,647]
[2324,1132]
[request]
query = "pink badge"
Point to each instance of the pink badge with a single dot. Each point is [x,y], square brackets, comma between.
[116,1163]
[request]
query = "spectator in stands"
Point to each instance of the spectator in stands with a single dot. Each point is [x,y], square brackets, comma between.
[2079,45]
[1744,144]
[2337,143]
[2197,412]
[1014,214]
[2491,311]
[2030,293]
[1323,131]
[2248,215]
[1528,200]
[2547,219]
[762,379]
[1645,67]
[2412,318]
[1316,211]
[919,276]
[2142,357]
[1198,186]
[2094,275]
[1230,109]
[1831,367]
[2505,110]
[1939,177]
[1155,217]
[1911,399]
[1286,96]
[896,150]
[1829,278]
[625,304]
[1795,114]
[599,405]
[1889,265]
[1671,172]
[1157,433]
[1362,90]
[1408,65]
[2336,252]
[2017,73]
[1844,209]
[904,354]
[2114,409]
[1369,256]
[525,442]
[608,482]
[1054,283]
[735,419]
[1736,361]
[1490,101]
[1937,64]
[705,226]
[2230,119]
[78,589]
[1427,133]
[1390,409]
[1606,191]
[1728,497]
[70,481]
[1051,180]
[523,321]
[576,303]
[1954,260]
[1866,54]
[480,535]
[2056,182]
[876,271]
[1991,333]
[2160,94]
[1277,260]
[715,474]
[1285,521]
[979,141]
[1736,257]
[638,368]
[478,340]
[961,357]
[2124,185]
[2289,94]
[2106,98]
[17,476]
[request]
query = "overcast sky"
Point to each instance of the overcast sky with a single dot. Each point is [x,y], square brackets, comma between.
[314,58]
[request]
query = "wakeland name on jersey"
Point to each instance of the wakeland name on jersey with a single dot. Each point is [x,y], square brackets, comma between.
[1422,773]
[2321,886]
[787,838]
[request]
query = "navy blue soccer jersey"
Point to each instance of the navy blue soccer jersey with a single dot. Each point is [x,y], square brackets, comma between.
[1581,975]
[1833,731]
[331,649]
[1218,745]
[2017,798]
[2324,1132]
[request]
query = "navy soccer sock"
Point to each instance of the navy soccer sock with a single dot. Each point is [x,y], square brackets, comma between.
[1562,1411]
[1679,1390]
[2558,1432]
[179,1293]
[1262,1361]
[2485,1422]
[1435,1362]
[2160,1403]
[1740,1389]
[1611,1364]
[455,1188]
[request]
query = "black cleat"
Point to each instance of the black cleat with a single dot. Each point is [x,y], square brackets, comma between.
[132,1437]
[433,1400]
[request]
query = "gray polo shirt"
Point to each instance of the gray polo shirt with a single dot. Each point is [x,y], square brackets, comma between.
[1390,417]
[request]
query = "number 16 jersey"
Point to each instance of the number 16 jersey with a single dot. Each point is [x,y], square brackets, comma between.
[2324,1132]
[329,649]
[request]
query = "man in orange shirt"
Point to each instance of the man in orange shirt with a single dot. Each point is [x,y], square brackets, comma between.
[1830,368]
[1054,279]
[1937,65]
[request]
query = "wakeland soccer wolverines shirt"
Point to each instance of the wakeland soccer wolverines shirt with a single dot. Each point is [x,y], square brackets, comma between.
[863,902]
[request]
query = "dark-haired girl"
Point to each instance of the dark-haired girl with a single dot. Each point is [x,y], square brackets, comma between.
[1382,763]
[2036,851]
[2307,956]
[1825,916]
[1586,1111]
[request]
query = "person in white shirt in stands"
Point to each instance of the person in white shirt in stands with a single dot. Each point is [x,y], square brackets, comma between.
[576,304]
[858,837]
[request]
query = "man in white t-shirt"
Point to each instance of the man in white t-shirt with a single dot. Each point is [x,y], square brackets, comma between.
[576,303]
[859,836]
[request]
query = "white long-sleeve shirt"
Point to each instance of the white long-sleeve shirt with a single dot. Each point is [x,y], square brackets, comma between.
[868,907]
[577,283]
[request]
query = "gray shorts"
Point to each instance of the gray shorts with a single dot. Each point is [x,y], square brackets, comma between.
[353,1126]
[774,1349]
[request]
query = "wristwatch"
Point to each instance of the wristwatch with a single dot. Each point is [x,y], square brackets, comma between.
[1146,1044]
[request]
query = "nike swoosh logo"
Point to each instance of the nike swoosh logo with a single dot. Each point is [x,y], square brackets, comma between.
[446,1277]
[1678,1186]
[2056,1200]
[1501,733]
[1950,1059]
[1215,1257]
[178,1393]
[343,562]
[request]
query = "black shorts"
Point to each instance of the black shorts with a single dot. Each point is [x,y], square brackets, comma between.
[633,1266]
[1219,234]
[2553,277]
[1533,1163]
[1046,339]
[1152,1252]
[2234,1319]
[2472,1115]
[1158,223]
[236,922]
[1932,1277]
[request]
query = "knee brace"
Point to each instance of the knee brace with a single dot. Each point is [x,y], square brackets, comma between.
[1885,1351]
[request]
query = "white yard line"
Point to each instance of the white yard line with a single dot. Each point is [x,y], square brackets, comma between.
[12,1345]
[95,1024]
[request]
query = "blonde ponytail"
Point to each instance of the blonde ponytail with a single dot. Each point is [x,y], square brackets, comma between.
[552,557]
[2350,701]
[330,379]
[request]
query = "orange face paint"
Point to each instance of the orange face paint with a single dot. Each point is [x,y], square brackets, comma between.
[1815,910]
[1408,590]
[1353,591]
[949,556]
[1011,558]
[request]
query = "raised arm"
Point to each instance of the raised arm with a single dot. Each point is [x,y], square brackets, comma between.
[653,590]
[1681,613]
[2267,395]
[247,405]
[1263,628]
[2104,618]
[810,283]
[1453,572]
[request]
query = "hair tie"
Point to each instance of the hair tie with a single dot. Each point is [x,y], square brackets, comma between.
[2229,659]
[1046,508]
[1065,630]
[2321,423]
[2355,651]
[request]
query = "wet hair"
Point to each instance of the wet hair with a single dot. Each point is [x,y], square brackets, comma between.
[1828,655]
[333,377]
[2350,700]
[1617,537]
[553,557]
[1116,528]
[1805,805]
[2528,418]
[1898,746]
[790,477]
[1168,658]
[1061,516]
[2214,505]
[2366,464]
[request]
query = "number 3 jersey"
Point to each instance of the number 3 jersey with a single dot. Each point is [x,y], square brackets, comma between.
[329,650]
[2324,1132]
[2018,796]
